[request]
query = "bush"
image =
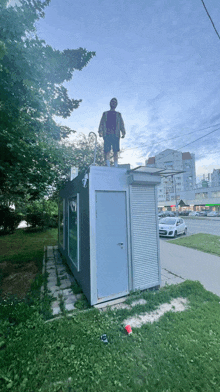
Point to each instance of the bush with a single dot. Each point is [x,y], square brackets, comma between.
[43,214]
[35,219]
[16,311]
[9,219]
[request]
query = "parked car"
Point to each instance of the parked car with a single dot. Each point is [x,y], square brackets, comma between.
[169,213]
[164,214]
[202,213]
[171,227]
[184,213]
[213,213]
[194,213]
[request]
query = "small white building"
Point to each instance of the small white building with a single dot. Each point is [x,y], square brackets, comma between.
[108,231]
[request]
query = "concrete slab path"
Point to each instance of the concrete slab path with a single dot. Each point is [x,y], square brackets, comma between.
[59,282]
[179,263]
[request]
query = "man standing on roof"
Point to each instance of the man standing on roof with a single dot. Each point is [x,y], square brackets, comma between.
[111,127]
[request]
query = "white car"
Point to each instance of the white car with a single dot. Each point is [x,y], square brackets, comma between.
[212,213]
[171,227]
[194,213]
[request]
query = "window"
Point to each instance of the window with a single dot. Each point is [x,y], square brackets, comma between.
[201,195]
[168,164]
[73,230]
[216,194]
[61,222]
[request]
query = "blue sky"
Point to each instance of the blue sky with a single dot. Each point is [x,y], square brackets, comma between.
[160,59]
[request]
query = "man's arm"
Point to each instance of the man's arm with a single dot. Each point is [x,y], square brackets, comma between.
[101,126]
[122,127]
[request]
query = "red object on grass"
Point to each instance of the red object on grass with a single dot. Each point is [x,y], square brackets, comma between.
[128,329]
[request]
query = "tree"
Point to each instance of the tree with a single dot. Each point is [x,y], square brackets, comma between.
[80,154]
[32,74]
[83,152]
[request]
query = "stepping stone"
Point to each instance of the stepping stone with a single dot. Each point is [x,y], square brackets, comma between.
[64,281]
[50,266]
[52,280]
[67,292]
[79,296]
[56,311]
[49,255]
[53,287]
[61,270]
[70,300]
[69,307]
[51,273]
[64,286]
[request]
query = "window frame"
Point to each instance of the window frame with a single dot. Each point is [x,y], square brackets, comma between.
[75,262]
[61,200]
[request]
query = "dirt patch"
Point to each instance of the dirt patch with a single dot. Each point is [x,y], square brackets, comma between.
[17,278]
[176,305]
[125,306]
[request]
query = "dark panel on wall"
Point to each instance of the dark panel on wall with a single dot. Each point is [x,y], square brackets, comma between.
[83,275]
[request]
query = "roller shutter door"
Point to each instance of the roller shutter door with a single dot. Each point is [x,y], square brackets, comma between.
[144,237]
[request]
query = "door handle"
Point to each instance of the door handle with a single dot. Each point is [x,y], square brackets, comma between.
[121,244]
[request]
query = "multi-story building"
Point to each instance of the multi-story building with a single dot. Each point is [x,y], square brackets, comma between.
[170,187]
[215,177]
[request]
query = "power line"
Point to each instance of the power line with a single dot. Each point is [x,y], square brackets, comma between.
[175,137]
[198,138]
[193,141]
[210,19]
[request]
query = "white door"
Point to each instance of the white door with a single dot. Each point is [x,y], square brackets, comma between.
[111,243]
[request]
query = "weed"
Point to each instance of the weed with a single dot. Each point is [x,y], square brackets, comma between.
[76,288]
[82,303]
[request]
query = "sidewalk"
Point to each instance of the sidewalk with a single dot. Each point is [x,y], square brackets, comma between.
[59,282]
[179,263]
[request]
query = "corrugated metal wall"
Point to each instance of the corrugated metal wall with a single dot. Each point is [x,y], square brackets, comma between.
[144,237]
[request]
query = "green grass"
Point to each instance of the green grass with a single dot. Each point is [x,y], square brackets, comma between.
[23,246]
[205,242]
[180,352]
[20,248]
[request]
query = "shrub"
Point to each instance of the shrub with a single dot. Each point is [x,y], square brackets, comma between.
[9,219]
[43,214]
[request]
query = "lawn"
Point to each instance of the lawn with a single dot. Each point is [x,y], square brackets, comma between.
[180,352]
[21,258]
[24,245]
[205,242]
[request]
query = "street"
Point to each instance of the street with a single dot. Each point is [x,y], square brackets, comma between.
[198,225]
[207,226]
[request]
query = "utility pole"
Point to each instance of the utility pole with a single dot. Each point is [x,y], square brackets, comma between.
[175,195]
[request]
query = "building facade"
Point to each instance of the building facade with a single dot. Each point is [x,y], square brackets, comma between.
[196,199]
[171,187]
[215,178]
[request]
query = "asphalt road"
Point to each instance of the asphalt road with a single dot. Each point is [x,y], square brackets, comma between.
[204,225]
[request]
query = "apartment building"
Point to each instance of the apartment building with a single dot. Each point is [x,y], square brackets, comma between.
[170,187]
[215,178]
